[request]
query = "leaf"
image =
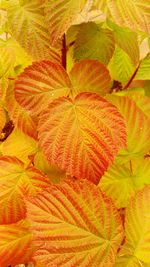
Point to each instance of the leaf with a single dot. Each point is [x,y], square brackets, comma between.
[2,117]
[120,66]
[131,14]
[53,172]
[7,60]
[20,145]
[130,177]
[138,130]
[138,95]
[75,225]
[39,84]
[15,243]
[60,15]
[94,42]
[90,76]
[28,26]
[137,225]
[127,41]
[21,117]
[17,181]
[81,136]
[143,72]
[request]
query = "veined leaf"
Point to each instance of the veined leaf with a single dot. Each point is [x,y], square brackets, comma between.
[7,59]
[28,25]
[60,15]
[143,72]
[53,172]
[137,224]
[120,66]
[138,95]
[19,145]
[81,136]
[127,41]
[75,225]
[138,127]
[17,181]
[20,116]
[131,14]
[94,42]
[15,243]
[130,177]
[39,84]
[90,76]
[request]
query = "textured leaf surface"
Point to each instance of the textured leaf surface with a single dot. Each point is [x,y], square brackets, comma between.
[15,182]
[138,130]
[94,42]
[75,225]
[127,41]
[7,60]
[28,25]
[132,14]
[20,145]
[129,177]
[81,136]
[144,69]
[15,244]
[137,225]
[21,117]
[39,84]
[60,15]
[53,172]
[120,66]
[90,76]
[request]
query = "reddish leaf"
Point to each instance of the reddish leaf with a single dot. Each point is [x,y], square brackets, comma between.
[74,225]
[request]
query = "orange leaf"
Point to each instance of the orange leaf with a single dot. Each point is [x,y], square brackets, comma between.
[81,136]
[17,181]
[15,244]
[39,84]
[74,225]
[90,75]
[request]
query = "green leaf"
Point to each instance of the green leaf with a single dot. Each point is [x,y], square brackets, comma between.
[144,69]
[94,42]
[127,41]
[120,66]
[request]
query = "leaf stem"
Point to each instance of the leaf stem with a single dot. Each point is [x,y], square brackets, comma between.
[131,78]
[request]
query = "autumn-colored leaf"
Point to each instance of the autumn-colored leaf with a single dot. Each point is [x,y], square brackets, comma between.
[15,243]
[90,76]
[27,22]
[130,14]
[69,228]
[19,145]
[60,15]
[21,117]
[130,177]
[39,84]
[138,127]
[17,181]
[81,136]
[135,251]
